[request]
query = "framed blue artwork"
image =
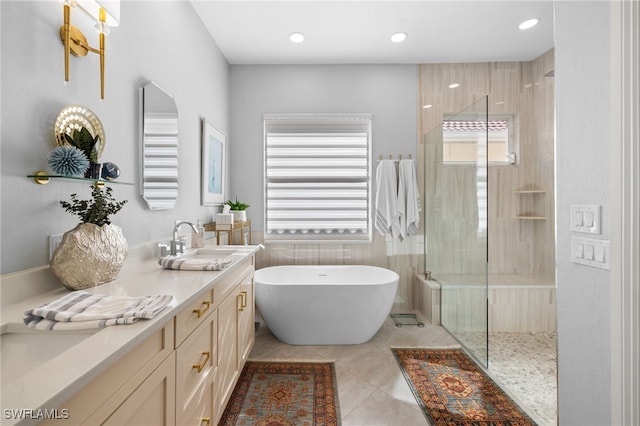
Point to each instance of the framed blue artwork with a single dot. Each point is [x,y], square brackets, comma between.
[214,145]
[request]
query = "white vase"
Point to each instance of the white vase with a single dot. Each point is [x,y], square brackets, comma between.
[89,255]
[239,216]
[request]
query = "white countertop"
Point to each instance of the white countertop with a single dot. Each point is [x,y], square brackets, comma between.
[55,381]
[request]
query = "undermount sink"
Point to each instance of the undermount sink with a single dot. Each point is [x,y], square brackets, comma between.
[24,349]
[204,259]
[212,254]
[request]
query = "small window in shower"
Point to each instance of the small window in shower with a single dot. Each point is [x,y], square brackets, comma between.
[464,140]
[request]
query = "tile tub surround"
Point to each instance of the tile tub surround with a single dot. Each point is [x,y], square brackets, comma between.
[371,387]
[79,365]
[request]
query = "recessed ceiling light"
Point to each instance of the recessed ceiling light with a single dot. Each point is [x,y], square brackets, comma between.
[398,37]
[454,85]
[296,37]
[529,23]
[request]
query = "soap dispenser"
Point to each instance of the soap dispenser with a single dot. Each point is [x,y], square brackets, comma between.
[197,239]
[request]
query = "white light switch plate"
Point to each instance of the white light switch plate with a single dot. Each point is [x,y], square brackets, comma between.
[591,252]
[585,218]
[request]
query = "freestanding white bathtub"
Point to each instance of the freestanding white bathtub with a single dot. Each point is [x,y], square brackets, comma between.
[325,304]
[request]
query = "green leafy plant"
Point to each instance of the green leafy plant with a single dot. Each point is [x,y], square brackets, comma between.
[237,205]
[98,209]
[85,142]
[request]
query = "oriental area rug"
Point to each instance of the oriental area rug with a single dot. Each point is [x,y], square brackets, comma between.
[284,394]
[452,390]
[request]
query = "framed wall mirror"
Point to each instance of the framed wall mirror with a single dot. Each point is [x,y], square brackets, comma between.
[159,147]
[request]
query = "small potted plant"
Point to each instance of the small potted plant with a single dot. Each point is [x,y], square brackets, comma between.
[93,252]
[239,210]
[85,142]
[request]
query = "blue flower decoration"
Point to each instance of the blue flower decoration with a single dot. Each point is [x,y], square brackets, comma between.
[68,160]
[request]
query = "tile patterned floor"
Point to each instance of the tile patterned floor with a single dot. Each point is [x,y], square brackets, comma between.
[371,388]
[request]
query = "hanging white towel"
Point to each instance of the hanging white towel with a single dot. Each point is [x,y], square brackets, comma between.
[83,310]
[408,198]
[387,216]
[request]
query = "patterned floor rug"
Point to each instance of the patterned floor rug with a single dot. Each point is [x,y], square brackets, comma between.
[284,394]
[453,390]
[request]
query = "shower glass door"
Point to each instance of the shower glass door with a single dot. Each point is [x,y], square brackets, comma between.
[455,217]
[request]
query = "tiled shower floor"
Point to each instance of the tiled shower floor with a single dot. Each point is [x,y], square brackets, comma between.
[525,364]
[372,390]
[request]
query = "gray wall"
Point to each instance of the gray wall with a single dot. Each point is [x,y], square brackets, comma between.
[389,92]
[161,41]
[583,150]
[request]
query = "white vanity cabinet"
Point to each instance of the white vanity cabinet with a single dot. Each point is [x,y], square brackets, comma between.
[236,335]
[246,319]
[185,372]
[150,404]
[138,390]
[196,361]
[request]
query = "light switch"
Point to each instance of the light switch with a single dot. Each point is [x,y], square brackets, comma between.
[590,252]
[578,218]
[578,251]
[588,219]
[585,218]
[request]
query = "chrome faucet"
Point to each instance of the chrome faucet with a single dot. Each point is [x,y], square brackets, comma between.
[176,245]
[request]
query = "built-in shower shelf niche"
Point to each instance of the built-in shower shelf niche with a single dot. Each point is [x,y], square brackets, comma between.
[530,203]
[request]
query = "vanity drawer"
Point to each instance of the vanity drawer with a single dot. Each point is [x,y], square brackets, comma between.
[194,315]
[196,364]
[202,414]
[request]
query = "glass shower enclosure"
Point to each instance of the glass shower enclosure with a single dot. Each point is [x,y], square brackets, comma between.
[455,223]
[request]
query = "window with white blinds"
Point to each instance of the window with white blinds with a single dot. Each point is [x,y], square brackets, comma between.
[317,177]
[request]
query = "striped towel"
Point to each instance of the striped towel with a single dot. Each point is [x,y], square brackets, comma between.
[82,310]
[187,264]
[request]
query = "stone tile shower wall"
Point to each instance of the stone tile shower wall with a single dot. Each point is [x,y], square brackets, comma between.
[516,246]
[521,198]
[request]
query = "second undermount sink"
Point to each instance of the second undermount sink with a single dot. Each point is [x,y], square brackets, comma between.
[204,259]
[209,253]
[24,349]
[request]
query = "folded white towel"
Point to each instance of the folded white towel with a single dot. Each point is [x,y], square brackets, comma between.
[82,310]
[408,198]
[188,264]
[387,215]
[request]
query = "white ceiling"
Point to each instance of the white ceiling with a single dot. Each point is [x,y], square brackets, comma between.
[358,31]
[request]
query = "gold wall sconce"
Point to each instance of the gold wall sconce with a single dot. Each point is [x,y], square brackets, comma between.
[106,13]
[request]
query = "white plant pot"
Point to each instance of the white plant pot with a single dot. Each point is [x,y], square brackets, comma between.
[239,215]
[89,255]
